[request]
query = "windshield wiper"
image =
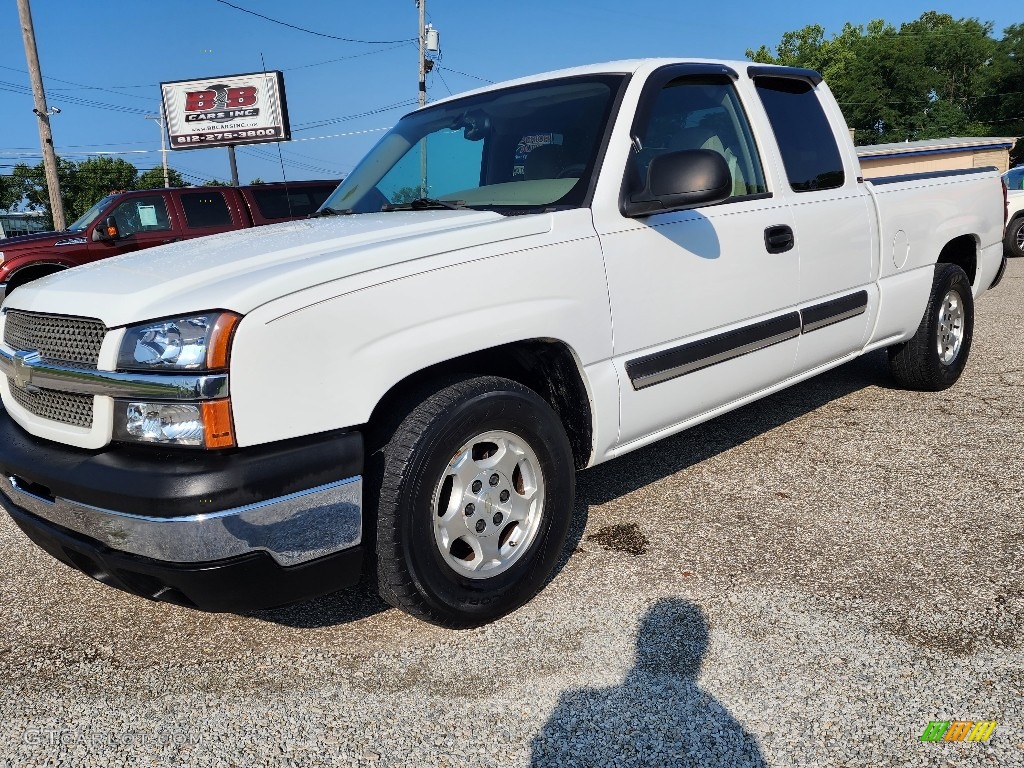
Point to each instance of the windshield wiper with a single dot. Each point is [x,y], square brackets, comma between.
[425,203]
[332,212]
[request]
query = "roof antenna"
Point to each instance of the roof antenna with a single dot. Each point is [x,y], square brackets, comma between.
[280,157]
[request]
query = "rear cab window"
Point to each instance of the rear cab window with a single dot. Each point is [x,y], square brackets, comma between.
[803,133]
[205,209]
[281,202]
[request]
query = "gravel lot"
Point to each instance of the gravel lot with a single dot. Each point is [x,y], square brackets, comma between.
[807,581]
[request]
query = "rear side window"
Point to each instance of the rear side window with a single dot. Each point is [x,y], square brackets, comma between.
[205,209]
[282,202]
[805,138]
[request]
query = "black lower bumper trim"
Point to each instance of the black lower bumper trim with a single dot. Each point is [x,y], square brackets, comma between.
[250,582]
[167,482]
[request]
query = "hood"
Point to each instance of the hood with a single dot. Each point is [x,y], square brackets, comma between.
[244,269]
[36,240]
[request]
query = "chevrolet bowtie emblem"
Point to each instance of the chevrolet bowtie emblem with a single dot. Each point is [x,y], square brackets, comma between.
[23,368]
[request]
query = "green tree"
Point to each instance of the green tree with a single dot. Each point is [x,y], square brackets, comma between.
[12,190]
[257,180]
[154,178]
[81,184]
[1001,106]
[930,77]
[215,183]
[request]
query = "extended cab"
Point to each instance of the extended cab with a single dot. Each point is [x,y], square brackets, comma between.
[131,221]
[513,285]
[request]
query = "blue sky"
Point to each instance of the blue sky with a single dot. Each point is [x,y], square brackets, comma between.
[117,52]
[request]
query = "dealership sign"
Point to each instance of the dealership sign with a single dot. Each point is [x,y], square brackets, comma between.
[224,111]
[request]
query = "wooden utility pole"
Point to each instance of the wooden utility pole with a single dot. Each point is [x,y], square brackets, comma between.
[45,136]
[422,4]
[163,142]
[423,50]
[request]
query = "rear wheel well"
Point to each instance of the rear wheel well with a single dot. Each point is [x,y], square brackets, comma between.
[30,273]
[547,367]
[962,251]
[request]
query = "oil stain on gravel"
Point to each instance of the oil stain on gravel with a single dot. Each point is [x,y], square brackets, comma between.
[626,538]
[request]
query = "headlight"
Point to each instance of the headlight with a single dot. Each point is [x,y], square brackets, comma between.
[193,342]
[200,425]
[199,342]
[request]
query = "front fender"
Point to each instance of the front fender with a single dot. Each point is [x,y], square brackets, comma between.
[326,365]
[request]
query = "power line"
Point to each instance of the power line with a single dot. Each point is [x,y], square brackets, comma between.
[76,100]
[344,118]
[464,74]
[444,82]
[81,85]
[310,31]
[405,44]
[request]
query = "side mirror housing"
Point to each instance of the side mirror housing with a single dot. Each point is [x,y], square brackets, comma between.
[107,230]
[680,180]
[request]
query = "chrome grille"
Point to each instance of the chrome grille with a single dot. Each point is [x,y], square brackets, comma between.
[74,340]
[65,407]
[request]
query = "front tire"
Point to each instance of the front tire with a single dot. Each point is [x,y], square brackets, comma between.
[475,501]
[1013,240]
[935,357]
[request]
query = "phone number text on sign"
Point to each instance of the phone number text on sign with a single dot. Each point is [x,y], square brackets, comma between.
[255,133]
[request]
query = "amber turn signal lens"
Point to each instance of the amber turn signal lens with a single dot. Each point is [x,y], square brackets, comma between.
[217,429]
[219,342]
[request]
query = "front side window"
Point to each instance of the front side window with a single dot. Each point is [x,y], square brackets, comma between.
[803,133]
[1014,178]
[141,214]
[513,151]
[701,113]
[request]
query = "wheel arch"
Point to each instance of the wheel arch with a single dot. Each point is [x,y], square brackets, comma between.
[549,367]
[33,271]
[962,251]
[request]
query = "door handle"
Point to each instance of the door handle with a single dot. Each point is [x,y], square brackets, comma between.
[170,240]
[778,239]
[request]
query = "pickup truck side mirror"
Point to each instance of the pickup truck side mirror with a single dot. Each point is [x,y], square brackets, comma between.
[680,180]
[107,230]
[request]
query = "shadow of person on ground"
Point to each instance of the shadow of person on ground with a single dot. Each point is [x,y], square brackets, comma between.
[658,716]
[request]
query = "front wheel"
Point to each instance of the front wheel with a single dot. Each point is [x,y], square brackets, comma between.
[475,502]
[1013,240]
[936,355]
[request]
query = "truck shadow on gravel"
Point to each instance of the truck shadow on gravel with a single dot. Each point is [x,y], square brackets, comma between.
[640,468]
[658,715]
[629,473]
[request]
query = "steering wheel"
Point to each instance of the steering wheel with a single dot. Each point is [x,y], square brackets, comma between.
[572,171]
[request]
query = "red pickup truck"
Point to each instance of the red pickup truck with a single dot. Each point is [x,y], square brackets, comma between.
[131,221]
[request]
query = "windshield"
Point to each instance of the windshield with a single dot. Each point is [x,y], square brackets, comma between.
[513,150]
[1014,178]
[89,216]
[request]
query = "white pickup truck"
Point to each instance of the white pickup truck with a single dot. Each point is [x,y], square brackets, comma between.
[513,285]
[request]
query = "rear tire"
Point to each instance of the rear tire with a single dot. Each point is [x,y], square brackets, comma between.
[475,500]
[937,354]
[1013,240]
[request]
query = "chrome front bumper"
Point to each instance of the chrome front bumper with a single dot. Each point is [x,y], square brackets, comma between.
[292,529]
